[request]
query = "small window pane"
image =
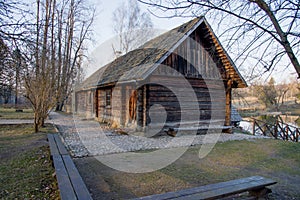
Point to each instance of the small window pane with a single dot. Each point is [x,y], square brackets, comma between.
[108,97]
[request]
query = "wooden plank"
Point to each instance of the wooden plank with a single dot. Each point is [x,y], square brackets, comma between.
[207,191]
[52,144]
[61,147]
[64,184]
[76,180]
[228,190]
[201,128]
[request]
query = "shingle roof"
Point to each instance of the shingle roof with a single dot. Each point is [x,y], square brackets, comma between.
[139,63]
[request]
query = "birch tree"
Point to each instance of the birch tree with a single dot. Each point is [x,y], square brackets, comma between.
[263,33]
[132,25]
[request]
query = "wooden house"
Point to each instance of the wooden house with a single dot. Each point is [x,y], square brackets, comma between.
[182,78]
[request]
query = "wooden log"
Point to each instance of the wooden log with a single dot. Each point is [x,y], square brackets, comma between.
[64,183]
[139,111]
[76,180]
[228,105]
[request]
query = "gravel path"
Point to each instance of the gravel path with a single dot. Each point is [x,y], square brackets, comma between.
[88,138]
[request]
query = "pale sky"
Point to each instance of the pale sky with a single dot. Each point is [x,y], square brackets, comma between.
[103,23]
[100,50]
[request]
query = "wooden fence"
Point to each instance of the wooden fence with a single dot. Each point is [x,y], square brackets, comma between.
[278,130]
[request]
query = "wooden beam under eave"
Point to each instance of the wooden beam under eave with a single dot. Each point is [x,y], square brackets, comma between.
[228,105]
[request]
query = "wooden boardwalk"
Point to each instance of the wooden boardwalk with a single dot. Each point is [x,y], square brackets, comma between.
[70,183]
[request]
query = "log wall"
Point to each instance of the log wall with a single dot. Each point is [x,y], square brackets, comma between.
[104,111]
[118,112]
[85,103]
[208,98]
[197,61]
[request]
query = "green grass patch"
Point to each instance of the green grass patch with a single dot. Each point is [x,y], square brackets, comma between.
[26,170]
[10,113]
[236,159]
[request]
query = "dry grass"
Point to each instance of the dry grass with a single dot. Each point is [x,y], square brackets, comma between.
[274,159]
[10,113]
[26,171]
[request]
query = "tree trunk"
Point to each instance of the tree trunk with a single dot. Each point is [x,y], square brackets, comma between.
[59,106]
[42,122]
[283,36]
[36,127]
[36,122]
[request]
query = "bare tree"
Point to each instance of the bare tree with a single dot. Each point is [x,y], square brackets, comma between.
[255,31]
[272,95]
[12,25]
[297,93]
[54,53]
[39,86]
[12,20]
[77,28]
[132,26]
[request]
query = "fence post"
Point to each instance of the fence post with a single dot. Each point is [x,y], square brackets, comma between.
[253,130]
[297,134]
[287,132]
[265,129]
[276,130]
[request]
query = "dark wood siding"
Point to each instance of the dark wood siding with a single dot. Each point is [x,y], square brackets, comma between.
[198,63]
[210,97]
[193,60]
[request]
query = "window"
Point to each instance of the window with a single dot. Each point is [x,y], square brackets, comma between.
[108,97]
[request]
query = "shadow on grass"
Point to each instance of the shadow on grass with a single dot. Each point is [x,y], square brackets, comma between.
[273,159]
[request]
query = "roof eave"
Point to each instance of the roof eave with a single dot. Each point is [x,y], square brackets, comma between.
[242,83]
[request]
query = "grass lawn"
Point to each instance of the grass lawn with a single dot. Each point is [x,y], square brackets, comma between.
[10,113]
[26,171]
[275,159]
